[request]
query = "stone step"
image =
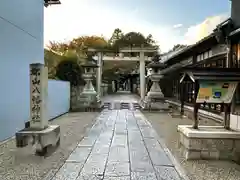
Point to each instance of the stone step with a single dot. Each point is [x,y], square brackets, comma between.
[107,105]
[136,106]
[124,105]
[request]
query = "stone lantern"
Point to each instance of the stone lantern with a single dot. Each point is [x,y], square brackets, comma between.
[155,92]
[155,76]
[89,96]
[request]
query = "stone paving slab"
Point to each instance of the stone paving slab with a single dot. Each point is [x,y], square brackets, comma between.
[80,154]
[120,146]
[69,171]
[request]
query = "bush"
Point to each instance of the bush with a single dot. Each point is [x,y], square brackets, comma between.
[69,70]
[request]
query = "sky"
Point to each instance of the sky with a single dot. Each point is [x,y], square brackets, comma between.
[169,21]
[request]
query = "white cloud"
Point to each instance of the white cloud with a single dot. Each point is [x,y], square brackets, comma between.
[177,26]
[90,17]
[199,31]
[79,17]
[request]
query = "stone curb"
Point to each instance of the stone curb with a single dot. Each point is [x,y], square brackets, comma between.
[175,162]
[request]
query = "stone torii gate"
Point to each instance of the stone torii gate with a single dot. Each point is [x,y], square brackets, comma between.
[141,58]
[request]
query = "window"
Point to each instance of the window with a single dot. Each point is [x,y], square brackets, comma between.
[236,56]
[198,58]
[210,53]
[208,65]
[206,55]
[213,64]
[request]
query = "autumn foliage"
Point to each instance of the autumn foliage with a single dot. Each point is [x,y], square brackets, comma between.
[75,51]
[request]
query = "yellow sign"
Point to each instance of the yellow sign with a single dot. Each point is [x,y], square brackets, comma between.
[216,92]
[204,93]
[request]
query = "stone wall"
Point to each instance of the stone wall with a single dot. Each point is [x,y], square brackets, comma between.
[235,122]
[206,148]
[75,96]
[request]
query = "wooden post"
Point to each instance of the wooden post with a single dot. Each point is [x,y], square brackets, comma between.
[195,115]
[196,106]
[227,108]
[233,105]
[182,99]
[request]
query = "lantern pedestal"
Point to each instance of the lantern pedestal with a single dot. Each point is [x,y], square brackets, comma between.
[89,98]
[155,98]
[155,91]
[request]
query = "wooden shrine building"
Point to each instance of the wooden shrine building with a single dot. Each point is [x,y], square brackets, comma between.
[216,57]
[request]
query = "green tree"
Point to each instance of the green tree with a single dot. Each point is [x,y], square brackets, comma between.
[58,47]
[132,39]
[74,51]
[120,40]
[135,39]
[84,42]
[70,70]
[117,35]
[51,60]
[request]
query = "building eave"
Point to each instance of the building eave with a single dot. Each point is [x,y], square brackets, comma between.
[191,49]
[234,33]
[51,2]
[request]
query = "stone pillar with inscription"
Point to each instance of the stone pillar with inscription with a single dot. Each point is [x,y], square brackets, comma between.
[37,131]
[38,96]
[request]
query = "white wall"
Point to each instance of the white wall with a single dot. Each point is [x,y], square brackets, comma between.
[58,98]
[235,122]
[21,43]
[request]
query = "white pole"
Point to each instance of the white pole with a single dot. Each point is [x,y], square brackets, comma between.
[142,75]
[99,74]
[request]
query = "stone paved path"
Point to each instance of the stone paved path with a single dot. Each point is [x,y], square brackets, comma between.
[121,145]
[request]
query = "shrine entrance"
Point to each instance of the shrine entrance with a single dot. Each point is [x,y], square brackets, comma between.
[130,77]
[126,82]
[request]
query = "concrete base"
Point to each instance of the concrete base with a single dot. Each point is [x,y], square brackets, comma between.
[46,140]
[176,115]
[152,95]
[88,102]
[209,142]
[152,104]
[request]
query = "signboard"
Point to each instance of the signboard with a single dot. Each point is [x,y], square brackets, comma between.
[216,92]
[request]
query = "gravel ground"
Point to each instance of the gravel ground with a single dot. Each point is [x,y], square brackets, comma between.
[22,164]
[166,127]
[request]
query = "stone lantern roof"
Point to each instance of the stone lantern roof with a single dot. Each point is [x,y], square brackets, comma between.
[90,63]
[156,64]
